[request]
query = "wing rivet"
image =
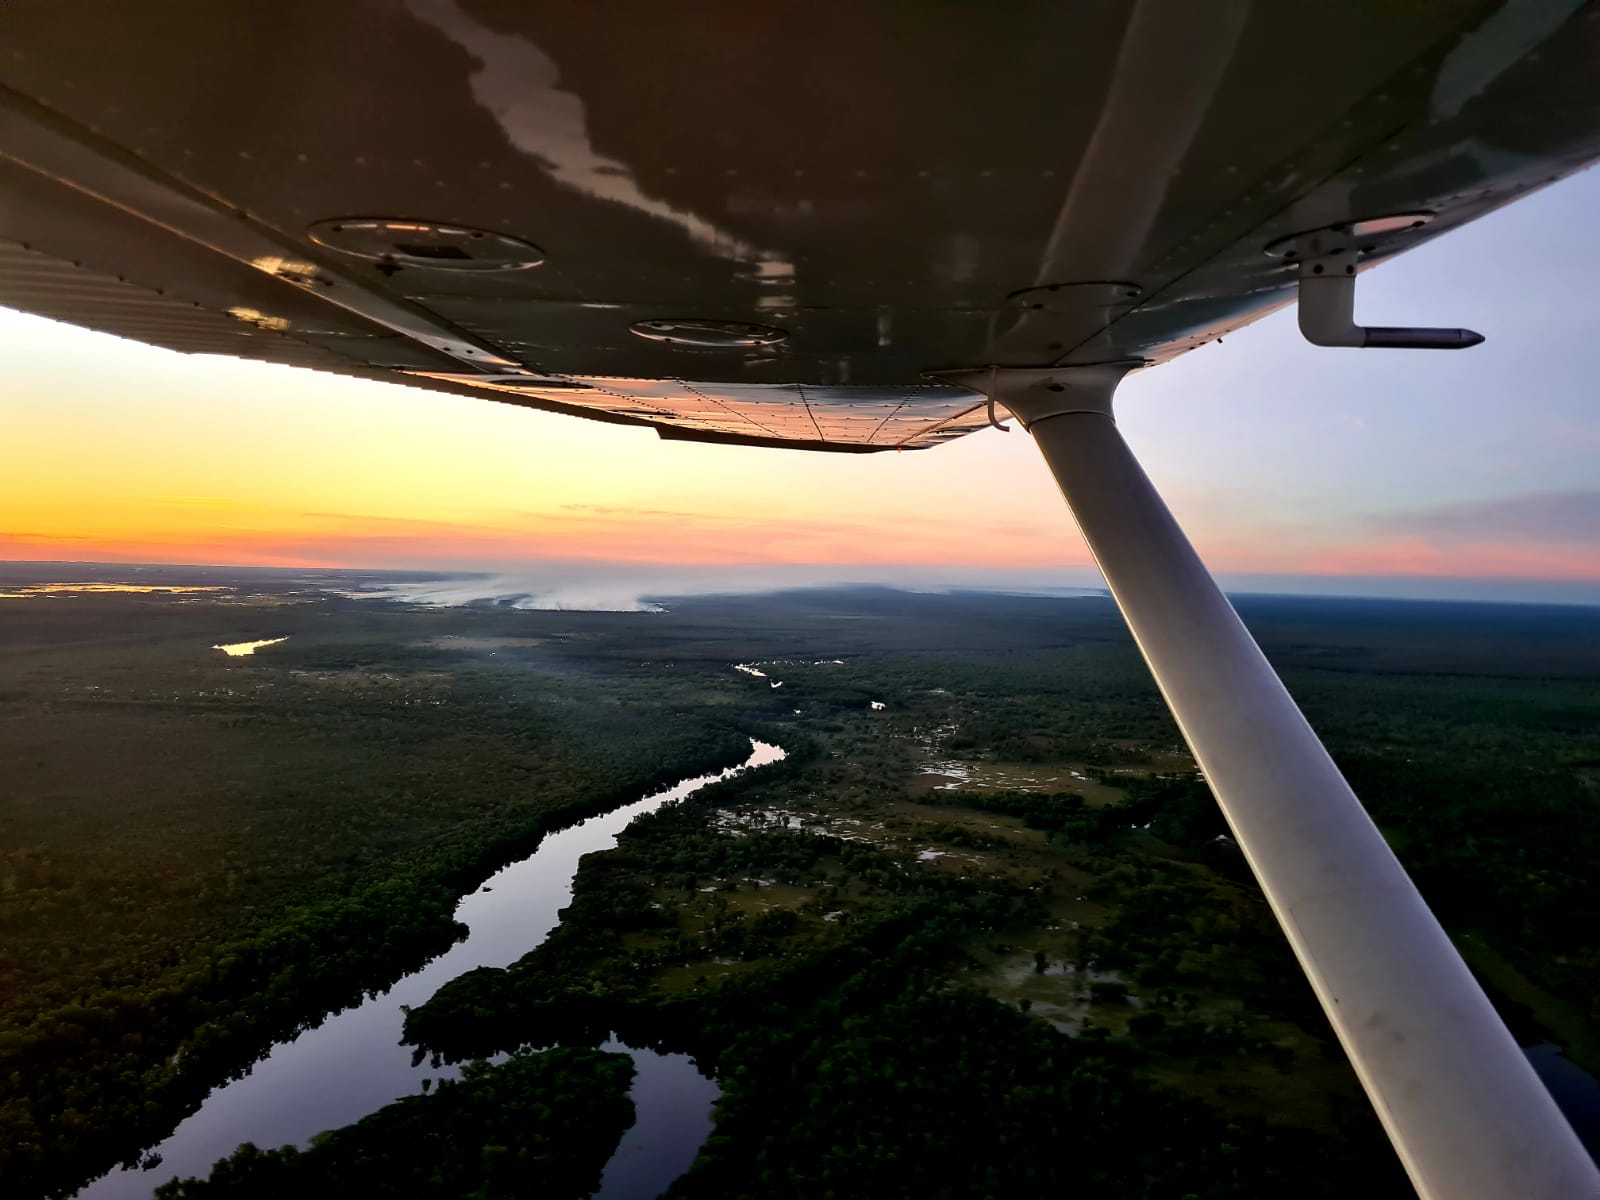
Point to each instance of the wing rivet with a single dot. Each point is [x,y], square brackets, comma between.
[1076,296]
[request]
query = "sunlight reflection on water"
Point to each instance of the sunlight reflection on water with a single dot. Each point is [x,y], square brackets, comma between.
[239,649]
[356,1061]
[139,589]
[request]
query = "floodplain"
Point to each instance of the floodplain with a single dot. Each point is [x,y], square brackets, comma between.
[986,891]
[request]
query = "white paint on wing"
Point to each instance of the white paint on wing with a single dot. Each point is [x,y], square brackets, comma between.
[516,83]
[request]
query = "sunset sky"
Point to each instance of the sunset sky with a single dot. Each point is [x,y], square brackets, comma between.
[1382,472]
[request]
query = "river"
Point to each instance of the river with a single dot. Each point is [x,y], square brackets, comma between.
[354,1063]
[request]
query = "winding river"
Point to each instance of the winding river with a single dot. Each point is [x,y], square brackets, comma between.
[354,1063]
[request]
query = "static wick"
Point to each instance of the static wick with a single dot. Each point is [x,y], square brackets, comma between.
[993,420]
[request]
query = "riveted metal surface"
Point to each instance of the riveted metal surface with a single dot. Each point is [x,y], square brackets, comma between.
[877,179]
[64,291]
[1098,293]
[398,243]
[693,334]
[822,417]
[1371,235]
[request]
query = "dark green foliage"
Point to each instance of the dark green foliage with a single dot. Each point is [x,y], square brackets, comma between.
[850,1066]
[892,1086]
[583,980]
[1176,809]
[537,1125]
[275,840]
[1054,812]
[260,855]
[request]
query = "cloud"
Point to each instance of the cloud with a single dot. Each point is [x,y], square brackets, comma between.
[639,587]
[599,555]
[549,591]
[1542,536]
[1539,538]
[1544,518]
[615,510]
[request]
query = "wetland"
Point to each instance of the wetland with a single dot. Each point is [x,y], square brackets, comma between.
[986,891]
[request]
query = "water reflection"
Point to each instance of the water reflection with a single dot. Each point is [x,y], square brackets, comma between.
[240,649]
[672,1105]
[515,82]
[138,589]
[1575,1091]
[354,1062]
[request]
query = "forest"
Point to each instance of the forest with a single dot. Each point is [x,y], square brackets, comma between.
[858,1056]
[538,1124]
[251,843]
[984,928]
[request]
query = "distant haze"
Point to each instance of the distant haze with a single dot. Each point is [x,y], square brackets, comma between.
[626,587]
[643,587]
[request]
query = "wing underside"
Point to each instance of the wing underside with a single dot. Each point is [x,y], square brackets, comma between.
[771,225]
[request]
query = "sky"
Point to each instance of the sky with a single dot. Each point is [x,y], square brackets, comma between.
[1471,474]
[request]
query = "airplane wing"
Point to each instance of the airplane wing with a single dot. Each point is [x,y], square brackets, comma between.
[851,228]
[770,224]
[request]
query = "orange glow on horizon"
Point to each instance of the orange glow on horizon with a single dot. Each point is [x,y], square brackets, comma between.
[123,453]
[687,540]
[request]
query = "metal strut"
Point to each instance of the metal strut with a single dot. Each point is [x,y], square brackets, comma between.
[1466,1113]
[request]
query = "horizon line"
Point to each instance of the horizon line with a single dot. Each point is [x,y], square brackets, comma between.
[1261,584]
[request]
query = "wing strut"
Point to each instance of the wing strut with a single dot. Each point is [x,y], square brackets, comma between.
[1468,1116]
